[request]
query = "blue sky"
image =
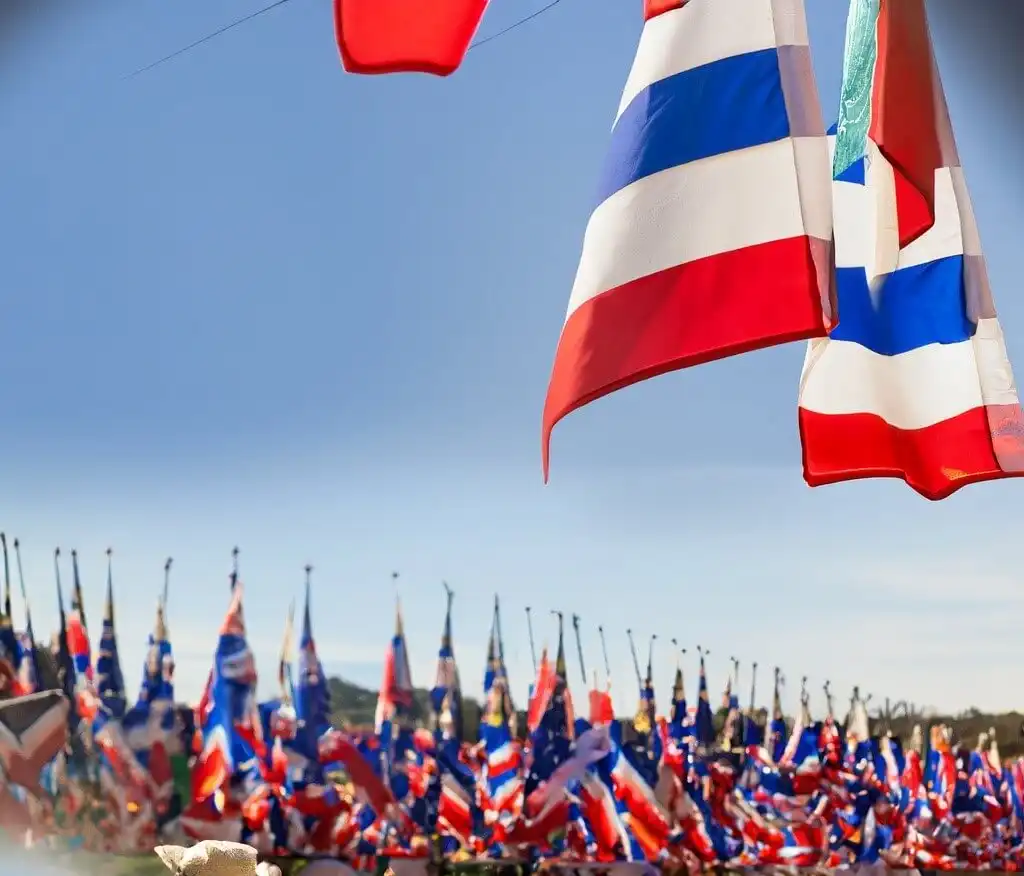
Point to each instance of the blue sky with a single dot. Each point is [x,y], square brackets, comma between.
[251,300]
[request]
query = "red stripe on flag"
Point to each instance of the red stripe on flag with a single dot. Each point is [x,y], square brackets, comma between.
[936,461]
[905,114]
[405,36]
[697,312]
[654,8]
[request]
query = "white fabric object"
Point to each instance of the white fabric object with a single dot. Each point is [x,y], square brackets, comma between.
[211,858]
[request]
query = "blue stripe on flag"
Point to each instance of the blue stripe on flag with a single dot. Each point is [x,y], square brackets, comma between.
[719,107]
[917,306]
[855,174]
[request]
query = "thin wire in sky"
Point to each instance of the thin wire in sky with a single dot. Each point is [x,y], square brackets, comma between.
[238,22]
[247,18]
[515,25]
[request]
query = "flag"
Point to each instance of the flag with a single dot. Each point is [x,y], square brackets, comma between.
[446,694]
[915,382]
[405,36]
[228,705]
[109,678]
[33,729]
[395,699]
[891,111]
[712,230]
[78,632]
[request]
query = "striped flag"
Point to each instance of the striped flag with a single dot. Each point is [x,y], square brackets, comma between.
[712,230]
[891,111]
[914,382]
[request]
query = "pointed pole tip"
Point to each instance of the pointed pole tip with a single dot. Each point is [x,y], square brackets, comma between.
[74,554]
[309,568]
[234,551]
[167,565]
[110,552]
[56,552]
[16,545]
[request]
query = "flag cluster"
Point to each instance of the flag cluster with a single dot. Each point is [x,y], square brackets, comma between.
[682,790]
[713,236]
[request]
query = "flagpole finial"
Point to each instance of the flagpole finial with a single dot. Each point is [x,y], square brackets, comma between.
[110,551]
[56,552]
[74,554]
[3,538]
[16,545]
[167,565]
[309,569]
[448,590]
[234,552]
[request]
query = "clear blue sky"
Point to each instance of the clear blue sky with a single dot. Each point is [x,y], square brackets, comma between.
[248,299]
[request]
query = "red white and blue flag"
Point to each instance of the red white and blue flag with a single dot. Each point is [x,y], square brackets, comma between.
[711,235]
[914,382]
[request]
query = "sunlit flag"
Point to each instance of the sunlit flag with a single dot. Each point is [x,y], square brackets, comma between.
[915,381]
[711,235]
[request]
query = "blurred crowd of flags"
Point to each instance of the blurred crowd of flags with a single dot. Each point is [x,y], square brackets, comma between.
[675,788]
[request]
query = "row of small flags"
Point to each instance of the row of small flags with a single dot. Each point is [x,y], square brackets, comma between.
[729,220]
[574,787]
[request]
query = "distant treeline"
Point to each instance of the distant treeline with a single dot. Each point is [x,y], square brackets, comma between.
[355,706]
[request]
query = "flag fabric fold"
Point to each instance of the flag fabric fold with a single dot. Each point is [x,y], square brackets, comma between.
[712,230]
[915,381]
[405,36]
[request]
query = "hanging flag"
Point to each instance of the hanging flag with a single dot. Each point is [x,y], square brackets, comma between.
[78,632]
[109,678]
[713,227]
[915,382]
[892,111]
[405,36]
[395,698]
[312,697]
[446,694]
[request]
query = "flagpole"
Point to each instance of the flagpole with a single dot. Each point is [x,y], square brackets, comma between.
[636,663]
[497,630]
[28,613]
[529,629]
[7,579]
[604,653]
[234,568]
[167,584]
[24,595]
[579,647]
[753,687]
